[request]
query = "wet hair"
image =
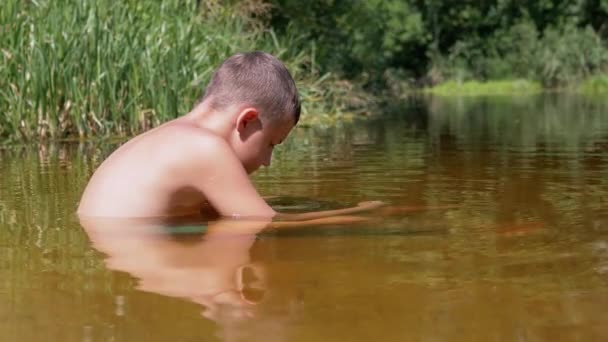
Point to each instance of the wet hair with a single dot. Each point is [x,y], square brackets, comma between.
[257,79]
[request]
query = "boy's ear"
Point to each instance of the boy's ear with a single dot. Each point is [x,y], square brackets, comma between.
[246,117]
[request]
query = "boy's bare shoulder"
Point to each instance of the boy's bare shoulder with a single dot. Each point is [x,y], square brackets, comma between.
[141,177]
[188,143]
[170,146]
[183,133]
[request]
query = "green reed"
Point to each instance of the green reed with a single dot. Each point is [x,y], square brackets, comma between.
[91,68]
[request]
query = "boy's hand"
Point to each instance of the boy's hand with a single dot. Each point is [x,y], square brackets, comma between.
[362,206]
[371,204]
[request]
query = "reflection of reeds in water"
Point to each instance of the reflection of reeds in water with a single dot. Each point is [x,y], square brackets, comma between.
[530,123]
[46,177]
[39,192]
[551,150]
[47,263]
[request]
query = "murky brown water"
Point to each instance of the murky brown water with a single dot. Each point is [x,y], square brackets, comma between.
[502,235]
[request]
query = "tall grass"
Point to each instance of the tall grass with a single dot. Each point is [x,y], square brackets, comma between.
[89,68]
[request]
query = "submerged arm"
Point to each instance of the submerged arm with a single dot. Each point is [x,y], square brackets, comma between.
[221,177]
[361,207]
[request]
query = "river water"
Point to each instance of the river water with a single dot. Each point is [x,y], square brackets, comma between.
[497,229]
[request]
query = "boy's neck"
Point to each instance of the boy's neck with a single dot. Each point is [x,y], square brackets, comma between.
[203,116]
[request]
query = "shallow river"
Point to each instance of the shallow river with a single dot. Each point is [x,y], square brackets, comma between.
[497,230]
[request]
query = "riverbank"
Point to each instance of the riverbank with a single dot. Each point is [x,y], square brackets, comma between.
[477,88]
[597,84]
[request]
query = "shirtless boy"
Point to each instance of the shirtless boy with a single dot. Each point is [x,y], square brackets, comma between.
[203,159]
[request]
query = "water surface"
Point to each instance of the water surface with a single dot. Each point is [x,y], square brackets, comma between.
[502,234]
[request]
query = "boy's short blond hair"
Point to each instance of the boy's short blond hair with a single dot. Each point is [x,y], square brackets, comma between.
[257,79]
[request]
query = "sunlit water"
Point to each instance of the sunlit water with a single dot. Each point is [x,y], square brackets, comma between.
[501,235]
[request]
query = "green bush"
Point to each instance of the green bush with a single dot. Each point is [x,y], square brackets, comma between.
[560,57]
[595,84]
[357,38]
[569,55]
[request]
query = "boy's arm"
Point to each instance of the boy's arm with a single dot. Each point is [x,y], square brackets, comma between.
[220,176]
[363,206]
[332,220]
[217,173]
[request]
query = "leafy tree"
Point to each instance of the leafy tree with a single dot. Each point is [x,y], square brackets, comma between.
[456,38]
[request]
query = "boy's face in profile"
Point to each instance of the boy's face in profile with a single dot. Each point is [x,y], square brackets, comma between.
[258,142]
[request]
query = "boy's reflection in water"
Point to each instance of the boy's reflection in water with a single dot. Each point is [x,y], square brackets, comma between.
[209,264]
[216,264]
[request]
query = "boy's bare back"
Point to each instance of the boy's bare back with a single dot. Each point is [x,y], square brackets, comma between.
[145,177]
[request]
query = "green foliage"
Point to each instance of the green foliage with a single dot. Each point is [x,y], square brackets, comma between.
[434,40]
[356,37]
[570,54]
[595,13]
[559,57]
[507,54]
[89,68]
